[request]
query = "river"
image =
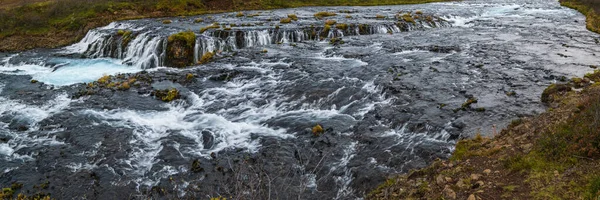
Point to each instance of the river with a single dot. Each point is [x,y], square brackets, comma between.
[389,98]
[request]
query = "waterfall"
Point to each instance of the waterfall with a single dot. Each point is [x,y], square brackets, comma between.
[147,48]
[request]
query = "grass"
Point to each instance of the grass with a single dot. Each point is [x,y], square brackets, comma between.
[589,8]
[48,24]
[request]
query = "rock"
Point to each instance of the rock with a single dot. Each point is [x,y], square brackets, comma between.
[440,180]
[449,193]
[207,139]
[461,184]
[472,197]
[475,177]
[478,184]
[448,179]
[487,171]
[180,49]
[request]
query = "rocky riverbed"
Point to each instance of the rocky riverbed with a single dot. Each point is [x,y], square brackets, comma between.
[391,95]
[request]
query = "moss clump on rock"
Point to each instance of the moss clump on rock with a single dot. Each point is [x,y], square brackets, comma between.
[213,26]
[322,14]
[408,18]
[198,20]
[330,22]
[207,57]
[285,20]
[167,95]
[378,16]
[180,49]
[341,26]
[167,21]
[239,14]
[594,76]
[126,36]
[293,17]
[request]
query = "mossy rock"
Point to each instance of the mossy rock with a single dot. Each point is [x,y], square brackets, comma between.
[330,22]
[547,95]
[293,17]
[167,95]
[167,21]
[324,14]
[207,57]
[199,20]
[341,26]
[325,31]
[285,21]
[180,49]
[408,18]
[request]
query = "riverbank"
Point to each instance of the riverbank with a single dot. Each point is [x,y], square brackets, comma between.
[51,24]
[589,8]
[551,156]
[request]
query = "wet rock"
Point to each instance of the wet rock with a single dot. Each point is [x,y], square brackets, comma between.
[487,171]
[208,139]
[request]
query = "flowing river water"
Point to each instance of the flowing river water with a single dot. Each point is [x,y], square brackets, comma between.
[389,99]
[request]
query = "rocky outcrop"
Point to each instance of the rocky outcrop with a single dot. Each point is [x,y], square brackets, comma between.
[180,49]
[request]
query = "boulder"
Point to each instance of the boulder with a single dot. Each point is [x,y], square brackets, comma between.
[180,49]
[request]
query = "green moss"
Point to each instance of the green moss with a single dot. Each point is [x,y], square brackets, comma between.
[293,17]
[408,18]
[167,21]
[467,148]
[104,79]
[188,37]
[326,30]
[330,22]
[594,76]
[213,26]
[593,188]
[198,20]
[323,14]
[166,95]
[467,104]
[285,20]
[207,57]
[341,26]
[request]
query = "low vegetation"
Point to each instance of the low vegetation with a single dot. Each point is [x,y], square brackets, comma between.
[555,155]
[589,8]
[48,24]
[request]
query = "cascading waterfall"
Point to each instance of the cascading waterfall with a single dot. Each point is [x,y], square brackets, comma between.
[148,49]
